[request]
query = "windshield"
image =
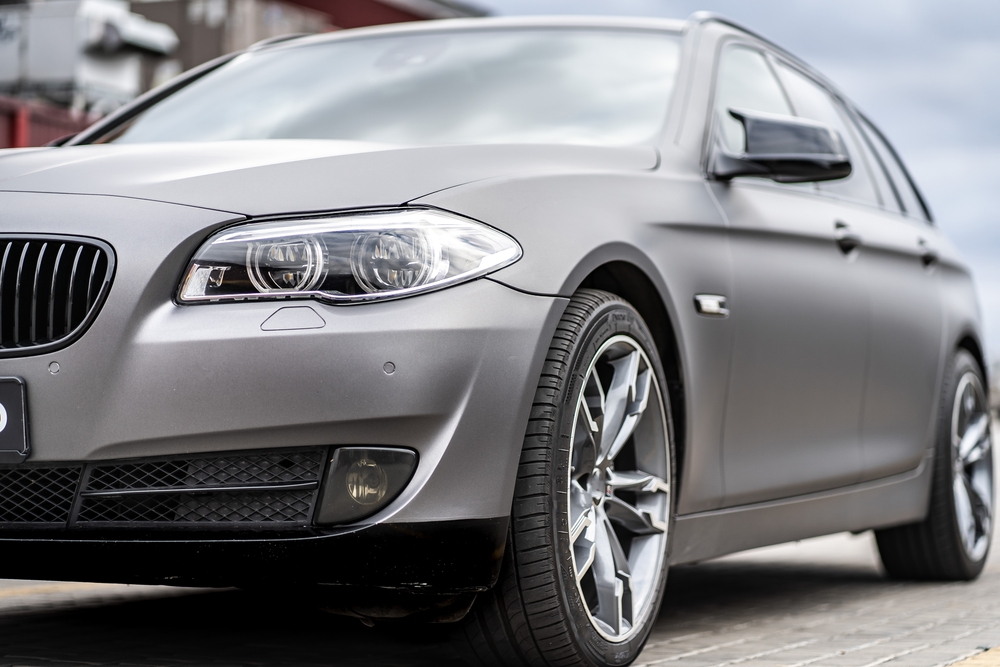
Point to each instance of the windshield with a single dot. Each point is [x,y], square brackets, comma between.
[605,87]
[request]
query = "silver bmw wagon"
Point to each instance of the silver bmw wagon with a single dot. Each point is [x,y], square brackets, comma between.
[486,322]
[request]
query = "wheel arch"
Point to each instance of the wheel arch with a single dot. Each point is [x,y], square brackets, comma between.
[633,284]
[969,342]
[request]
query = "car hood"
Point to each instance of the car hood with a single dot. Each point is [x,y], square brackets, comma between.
[280,176]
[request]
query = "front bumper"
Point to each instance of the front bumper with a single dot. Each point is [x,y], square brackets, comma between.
[154,379]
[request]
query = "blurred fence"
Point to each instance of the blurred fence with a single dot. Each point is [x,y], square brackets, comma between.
[25,124]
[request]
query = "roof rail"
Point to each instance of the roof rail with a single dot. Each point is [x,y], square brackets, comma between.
[712,17]
[277,40]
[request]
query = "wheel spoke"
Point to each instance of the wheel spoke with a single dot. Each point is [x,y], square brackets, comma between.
[594,393]
[622,571]
[637,481]
[583,536]
[963,511]
[633,413]
[612,578]
[579,504]
[970,448]
[980,505]
[584,445]
[635,521]
[585,519]
[620,395]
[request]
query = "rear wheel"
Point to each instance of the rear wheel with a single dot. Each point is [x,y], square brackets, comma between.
[954,539]
[585,563]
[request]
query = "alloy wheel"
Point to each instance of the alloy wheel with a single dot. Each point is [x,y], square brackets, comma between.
[619,495]
[972,466]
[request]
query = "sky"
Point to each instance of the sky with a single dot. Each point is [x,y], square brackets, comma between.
[927,72]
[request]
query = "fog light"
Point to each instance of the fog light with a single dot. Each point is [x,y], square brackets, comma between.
[361,481]
[366,482]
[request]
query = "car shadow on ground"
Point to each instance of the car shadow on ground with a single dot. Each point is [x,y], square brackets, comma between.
[721,594]
[243,628]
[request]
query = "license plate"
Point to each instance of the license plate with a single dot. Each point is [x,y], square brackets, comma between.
[14,446]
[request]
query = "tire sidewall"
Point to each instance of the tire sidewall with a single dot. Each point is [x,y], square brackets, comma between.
[611,318]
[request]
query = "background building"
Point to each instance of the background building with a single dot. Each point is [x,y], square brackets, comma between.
[65,63]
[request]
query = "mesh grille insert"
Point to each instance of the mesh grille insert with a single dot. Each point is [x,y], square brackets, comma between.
[275,489]
[50,288]
[219,507]
[37,495]
[214,471]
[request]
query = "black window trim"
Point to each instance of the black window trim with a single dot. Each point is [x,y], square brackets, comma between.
[928,217]
[878,158]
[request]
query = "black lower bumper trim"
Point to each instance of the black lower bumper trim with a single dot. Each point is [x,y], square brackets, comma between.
[448,557]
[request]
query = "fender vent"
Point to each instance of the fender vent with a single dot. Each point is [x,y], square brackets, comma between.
[50,290]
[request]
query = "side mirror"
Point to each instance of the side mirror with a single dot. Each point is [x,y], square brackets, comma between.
[784,149]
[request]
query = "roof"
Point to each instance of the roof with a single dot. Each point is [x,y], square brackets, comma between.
[497,22]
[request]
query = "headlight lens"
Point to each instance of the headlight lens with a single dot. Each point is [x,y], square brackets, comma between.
[346,258]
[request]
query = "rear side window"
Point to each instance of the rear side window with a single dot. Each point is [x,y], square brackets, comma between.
[908,197]
[890,197]
[815,103]
[746,81]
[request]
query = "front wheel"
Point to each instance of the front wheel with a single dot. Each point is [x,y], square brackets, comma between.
[954,539]
[586,558]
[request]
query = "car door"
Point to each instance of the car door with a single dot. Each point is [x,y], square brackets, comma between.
[905,355]
[800,315]
[897,256]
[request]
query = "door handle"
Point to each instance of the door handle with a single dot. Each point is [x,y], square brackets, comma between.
[928,255]
[847,240]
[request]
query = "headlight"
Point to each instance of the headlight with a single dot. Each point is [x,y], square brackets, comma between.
[346,258]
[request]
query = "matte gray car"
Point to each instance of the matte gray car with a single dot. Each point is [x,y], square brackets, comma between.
[488,322]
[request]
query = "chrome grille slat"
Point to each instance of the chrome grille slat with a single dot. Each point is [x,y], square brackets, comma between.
[3,277]
[46,300]
[90,281]
[17,295]
[72,284]
[34,291]
[52,293]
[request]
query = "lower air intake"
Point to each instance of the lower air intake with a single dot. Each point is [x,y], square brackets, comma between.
[270,489]
[37,495]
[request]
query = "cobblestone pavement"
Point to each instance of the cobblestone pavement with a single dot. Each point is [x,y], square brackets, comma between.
[818,603]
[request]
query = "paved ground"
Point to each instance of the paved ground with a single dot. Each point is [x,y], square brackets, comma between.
[818,603]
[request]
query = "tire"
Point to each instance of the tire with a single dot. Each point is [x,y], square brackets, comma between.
[952,543]
[538,614]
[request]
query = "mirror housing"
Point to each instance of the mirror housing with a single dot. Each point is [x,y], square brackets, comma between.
[785,149]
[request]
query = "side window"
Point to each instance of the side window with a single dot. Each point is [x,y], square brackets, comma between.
[745,82]
[907,196]
[813,102]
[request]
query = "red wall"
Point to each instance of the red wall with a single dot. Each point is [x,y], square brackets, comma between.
[358,13]
[32,124]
